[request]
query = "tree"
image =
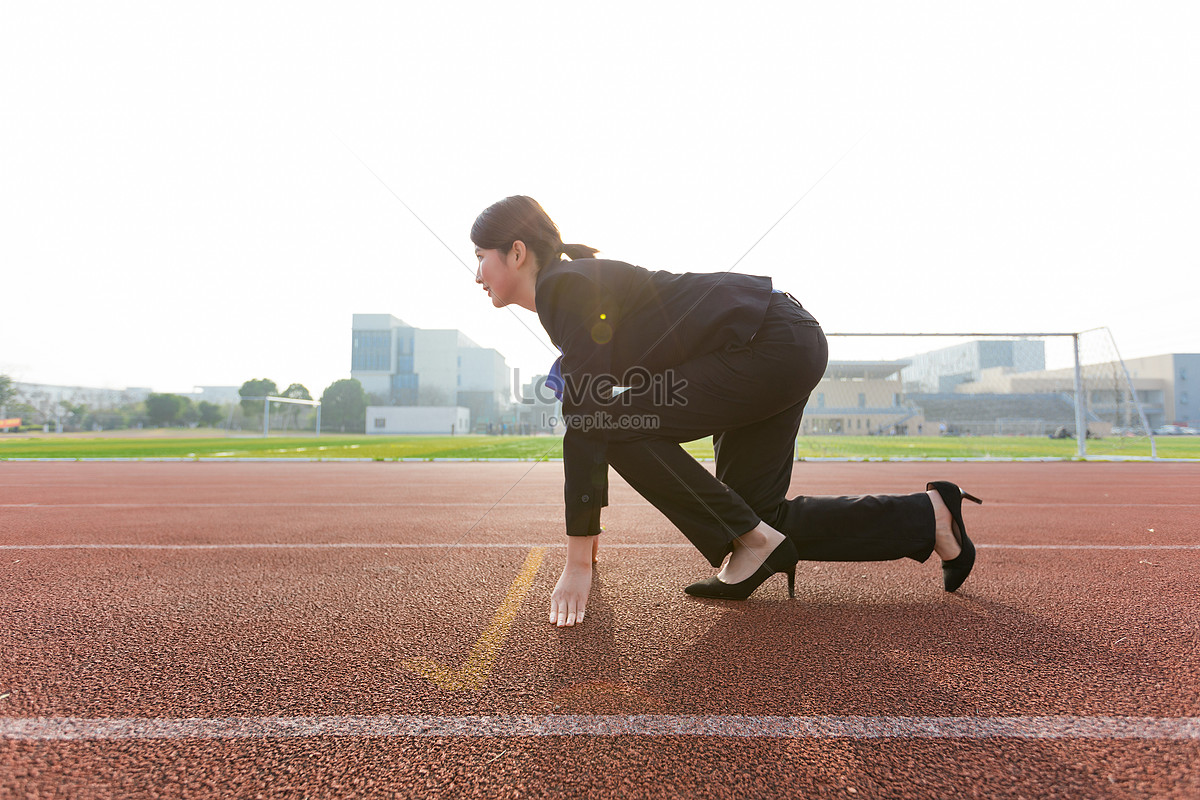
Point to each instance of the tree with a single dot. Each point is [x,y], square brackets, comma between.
[43,405]
[7,392]
[72,414]
[163,409]
[8,399]
[189,414]
[107,419]
[291,412]
[210,414]
[17,409]
[344,405]
[297,391]
[258,387]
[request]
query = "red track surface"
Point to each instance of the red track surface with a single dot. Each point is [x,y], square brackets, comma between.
[1101,620]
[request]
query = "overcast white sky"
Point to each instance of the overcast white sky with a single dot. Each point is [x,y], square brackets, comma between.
[177,207]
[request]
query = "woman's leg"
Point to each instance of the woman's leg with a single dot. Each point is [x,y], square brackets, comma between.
[736,386]
[860,528]
[751,399]
[710,515]
[713,511]
[755,461]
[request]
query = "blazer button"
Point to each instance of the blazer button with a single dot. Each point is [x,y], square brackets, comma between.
[585,498]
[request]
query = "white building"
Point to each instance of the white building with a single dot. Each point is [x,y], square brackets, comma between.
[45,397]
[399,365]
[219,395]
[442,420]
[943,370]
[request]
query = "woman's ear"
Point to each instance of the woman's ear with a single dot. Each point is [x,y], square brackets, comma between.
[518,254]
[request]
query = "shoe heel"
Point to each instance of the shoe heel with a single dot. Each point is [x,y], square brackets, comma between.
[782,559]
[955,571]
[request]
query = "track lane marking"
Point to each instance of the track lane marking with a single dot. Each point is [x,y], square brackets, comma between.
[503,545]
[474,673]
[530,726]
[270,505]
[315,504]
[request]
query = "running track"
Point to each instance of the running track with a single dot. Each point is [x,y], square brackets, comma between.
[314,629]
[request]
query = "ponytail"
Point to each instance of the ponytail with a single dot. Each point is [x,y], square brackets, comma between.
[576,251]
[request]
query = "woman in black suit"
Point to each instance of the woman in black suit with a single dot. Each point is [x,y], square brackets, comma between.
[653,359]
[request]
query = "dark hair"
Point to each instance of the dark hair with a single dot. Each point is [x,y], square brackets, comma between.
[521,218]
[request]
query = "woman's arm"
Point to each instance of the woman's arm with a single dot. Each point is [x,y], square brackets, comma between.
[569,598]
[571,306]
[578,312]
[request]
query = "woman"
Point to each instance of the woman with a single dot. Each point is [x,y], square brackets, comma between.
[694,355]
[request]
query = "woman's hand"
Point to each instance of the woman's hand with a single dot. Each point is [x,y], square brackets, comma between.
[568,601]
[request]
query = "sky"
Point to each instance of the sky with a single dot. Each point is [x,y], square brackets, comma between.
[205,193]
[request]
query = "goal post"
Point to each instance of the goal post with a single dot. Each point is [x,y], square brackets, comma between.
[1061,385]
[268,400]
[1112,390]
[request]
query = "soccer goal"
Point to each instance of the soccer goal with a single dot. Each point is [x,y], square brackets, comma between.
[1055,385]
[288,414]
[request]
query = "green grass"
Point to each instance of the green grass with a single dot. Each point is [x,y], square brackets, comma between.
[329,446]
[989,447]
[149,445]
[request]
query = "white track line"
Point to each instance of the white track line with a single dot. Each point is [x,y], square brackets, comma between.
[522,504]
[770,727]
[708,459]
[314,546]
[273,505]
[513,545]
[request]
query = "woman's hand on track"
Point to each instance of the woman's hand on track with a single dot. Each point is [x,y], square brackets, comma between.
[569,599]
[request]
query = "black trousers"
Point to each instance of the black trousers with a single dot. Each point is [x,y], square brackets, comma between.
[750,399]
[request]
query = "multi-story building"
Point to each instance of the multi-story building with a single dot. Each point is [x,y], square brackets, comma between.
[220,395]
[1167,388]
[878,397]
[1180,377]
[941,371]
[861,398]
[399,365]
[537,410]
[1010,378]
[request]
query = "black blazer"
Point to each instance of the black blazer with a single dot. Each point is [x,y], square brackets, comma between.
[611,319]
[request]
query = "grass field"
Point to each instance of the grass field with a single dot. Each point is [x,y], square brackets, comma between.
[387,448]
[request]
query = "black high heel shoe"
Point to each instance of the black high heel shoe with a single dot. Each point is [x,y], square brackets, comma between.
[956,570]
[782,559]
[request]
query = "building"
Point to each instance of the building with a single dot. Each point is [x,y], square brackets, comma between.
[399,365]
[51,404]
[1179,375]
[482,385]
[1167,388]
[538,411]
[1003,386]
[49,401]
[941,371]
[440,420]
[872,397]
[218,395]
[864,398]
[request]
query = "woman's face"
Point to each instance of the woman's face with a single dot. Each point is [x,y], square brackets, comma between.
[496,274]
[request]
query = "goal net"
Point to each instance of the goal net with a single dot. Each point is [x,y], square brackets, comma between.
[1051,385]
[283,415]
